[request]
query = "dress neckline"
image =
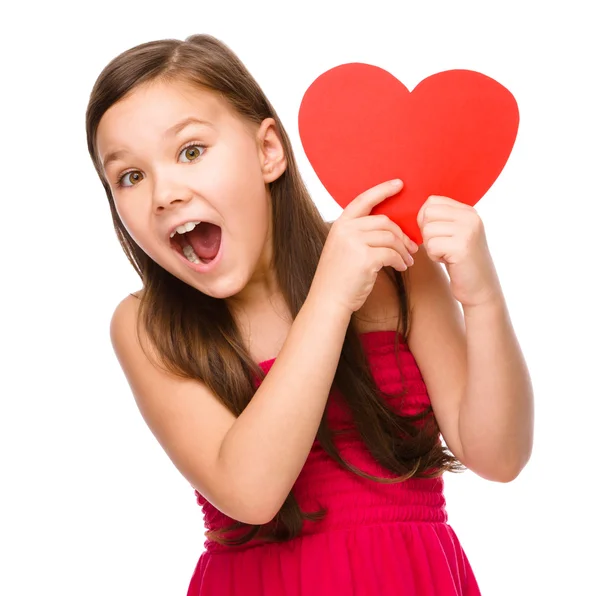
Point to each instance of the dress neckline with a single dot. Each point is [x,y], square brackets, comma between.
[366,336]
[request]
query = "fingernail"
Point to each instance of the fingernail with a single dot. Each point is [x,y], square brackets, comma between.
[396,182]
[411,261]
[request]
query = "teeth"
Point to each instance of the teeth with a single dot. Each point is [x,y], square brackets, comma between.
[188,250]
[190,255]
[186,227]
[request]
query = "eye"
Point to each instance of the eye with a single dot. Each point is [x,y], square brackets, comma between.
[133,176]
[193,152]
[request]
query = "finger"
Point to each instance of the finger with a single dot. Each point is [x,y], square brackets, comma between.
[438,229]
[438,212]
[388,257]
[441,248]
[443,200]
[387,239]
[364,203]
[383,222]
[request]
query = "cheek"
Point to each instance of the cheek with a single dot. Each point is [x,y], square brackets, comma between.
[247,220]
[252,210]
[247,197]
[126,219]
[133,222]
[256,225]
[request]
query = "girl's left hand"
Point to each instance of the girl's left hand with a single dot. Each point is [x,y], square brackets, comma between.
[453,234]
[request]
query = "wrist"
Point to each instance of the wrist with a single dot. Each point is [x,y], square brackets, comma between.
[493,306]
[325,305]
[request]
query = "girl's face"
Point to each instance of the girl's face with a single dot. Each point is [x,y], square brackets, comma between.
[175,154]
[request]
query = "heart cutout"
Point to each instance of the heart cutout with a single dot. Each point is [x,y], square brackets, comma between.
[451,136]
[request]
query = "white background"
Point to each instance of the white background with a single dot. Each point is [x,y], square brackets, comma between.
[90,504]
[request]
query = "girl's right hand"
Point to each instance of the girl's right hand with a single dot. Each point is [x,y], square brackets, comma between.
[357,247]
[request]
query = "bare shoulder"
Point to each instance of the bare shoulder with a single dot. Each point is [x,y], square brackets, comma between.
[123,327]
[188,420]
[134,351]
[124,317]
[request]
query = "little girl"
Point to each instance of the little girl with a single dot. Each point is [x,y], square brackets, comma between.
[297,374]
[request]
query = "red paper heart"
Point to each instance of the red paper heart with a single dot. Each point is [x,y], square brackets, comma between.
[451,136]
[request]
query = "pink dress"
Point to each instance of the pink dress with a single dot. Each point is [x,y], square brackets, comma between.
[375,540]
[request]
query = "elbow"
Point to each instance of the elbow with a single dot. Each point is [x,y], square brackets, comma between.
[245,498]
[251,511]
[497,472]
[503,469]
[506,474]
[255,507]
[511,469]
[262,519]
[257,514]
[240,501]
[508,470]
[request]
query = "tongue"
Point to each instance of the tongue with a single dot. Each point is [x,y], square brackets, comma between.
[205,239]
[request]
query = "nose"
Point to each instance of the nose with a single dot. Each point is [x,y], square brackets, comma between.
[168,192]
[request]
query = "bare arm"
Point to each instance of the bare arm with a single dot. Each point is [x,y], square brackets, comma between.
[496,416]
[244,466]
[476,375]
[271,439]
[247,466]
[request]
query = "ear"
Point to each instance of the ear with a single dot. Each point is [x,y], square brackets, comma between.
[272,157]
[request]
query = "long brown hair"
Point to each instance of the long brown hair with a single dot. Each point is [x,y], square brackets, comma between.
[196,336]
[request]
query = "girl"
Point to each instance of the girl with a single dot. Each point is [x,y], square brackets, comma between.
[319,471]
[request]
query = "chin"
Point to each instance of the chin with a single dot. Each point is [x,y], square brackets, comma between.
[223,288]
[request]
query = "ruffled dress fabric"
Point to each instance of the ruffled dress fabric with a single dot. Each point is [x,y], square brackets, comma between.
[375,540]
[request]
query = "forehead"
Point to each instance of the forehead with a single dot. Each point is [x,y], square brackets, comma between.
[148,111]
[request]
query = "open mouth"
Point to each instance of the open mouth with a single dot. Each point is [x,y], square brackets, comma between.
[199,244]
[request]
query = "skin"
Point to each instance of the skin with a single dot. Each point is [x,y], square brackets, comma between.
[224,183]
[471,361]
[469,357]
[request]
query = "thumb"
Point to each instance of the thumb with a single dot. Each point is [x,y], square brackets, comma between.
[421,216]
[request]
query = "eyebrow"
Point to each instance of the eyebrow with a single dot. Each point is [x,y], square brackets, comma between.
[170,132]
